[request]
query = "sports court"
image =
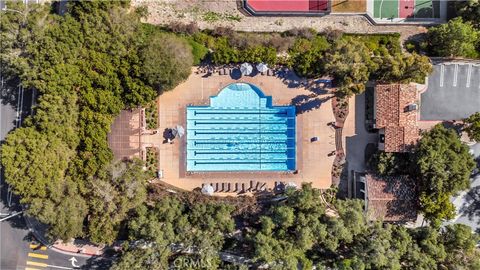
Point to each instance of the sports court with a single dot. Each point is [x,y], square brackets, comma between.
[406,9]
[265,7]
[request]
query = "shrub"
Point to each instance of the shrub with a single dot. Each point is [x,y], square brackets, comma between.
[181,28]
[281,44]
[305,32]
[221,31]
[199,51]
[151,115]
[332,34]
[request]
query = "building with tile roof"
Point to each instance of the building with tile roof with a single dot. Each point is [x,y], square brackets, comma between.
[396,114]
[391,199]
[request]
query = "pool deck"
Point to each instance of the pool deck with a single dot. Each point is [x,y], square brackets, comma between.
[313,163]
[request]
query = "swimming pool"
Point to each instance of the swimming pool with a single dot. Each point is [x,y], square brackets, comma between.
[241,131]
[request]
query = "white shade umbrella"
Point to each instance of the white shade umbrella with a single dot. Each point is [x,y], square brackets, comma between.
[291,185]
[246,69]
[180,131]
[207,189]
[262,67]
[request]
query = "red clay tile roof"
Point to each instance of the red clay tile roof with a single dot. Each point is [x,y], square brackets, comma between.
[391,113]
[391,199]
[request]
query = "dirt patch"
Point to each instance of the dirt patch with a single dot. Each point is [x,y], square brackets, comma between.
[353,6]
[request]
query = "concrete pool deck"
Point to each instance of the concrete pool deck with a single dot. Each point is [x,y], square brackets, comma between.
[314,113]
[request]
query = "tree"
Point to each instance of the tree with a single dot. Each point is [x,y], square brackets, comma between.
[35,165]
[167,61]
[444,166]
[116,191]
[306,55]
[472,126]
[143,257]
[350,63]
[461,244]
[469,10]
[403,68]
[456,38]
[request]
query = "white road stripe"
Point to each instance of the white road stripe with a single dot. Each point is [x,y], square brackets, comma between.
[20,111]
[442,71]
[469,75]
[455,75]
[59,267]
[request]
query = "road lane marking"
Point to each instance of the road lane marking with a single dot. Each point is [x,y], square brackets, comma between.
[442,71]
[37,264]
[59,267]
[40,256]
[455,75]
[469,75]
[29,268]
[32,246]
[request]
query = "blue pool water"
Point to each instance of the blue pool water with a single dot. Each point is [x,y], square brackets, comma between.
[241,131]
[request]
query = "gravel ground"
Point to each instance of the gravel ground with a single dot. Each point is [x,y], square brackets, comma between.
[212,13]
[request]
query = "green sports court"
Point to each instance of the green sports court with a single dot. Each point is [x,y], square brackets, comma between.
[406,9]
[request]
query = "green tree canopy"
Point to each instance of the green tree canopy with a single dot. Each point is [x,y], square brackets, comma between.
[350,62]
[444,168]
[469,10]
[115,192]
[473,126]
[167,61]
[455,38]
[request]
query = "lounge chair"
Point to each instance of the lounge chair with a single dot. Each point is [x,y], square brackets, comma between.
[236,187]
[263,186]
[228,187]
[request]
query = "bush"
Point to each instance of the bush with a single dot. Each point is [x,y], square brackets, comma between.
[221,31]
[152,161]
[281,44]
[377,42]
[199,51]
[305,32]
[151,115]
[332,34]
[181,28]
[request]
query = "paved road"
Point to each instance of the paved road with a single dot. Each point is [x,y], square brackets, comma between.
[453,92]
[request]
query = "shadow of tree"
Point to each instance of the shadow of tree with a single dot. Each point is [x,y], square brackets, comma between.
[305,103]
[471,206]
[8,93]
[98,262]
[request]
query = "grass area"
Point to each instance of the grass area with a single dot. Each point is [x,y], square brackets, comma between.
[211,17]
[152,161]
[355,6]
[151,115]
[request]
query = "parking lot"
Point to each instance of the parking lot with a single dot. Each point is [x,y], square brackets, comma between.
[453,92]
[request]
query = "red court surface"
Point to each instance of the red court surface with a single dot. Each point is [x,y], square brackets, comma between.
[288,5]
[407,7]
